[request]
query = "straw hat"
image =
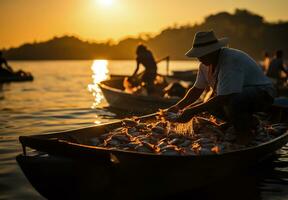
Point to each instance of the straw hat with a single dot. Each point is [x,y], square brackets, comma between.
[205,43]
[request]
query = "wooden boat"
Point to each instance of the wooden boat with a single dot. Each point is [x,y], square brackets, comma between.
[15,78]
[66,165]
[113,91]
[187,75]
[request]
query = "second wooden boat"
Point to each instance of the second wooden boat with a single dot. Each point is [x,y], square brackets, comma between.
[113,91]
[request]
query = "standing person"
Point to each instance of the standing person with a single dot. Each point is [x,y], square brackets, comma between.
[275,68]
[240,87]
[146,58]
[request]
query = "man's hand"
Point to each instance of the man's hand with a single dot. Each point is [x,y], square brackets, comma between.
[185,116]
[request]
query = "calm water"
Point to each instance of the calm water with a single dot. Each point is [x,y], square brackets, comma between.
[64,95]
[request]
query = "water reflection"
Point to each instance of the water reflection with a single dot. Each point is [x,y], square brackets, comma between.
[100,72]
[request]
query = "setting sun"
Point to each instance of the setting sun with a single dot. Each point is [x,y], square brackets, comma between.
[106,2]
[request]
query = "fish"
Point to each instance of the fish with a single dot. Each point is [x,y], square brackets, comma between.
[129,122]
[200,136]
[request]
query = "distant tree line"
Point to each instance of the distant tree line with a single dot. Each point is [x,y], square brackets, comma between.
[247,31]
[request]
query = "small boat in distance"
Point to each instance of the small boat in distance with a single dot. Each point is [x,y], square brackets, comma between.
[15,78]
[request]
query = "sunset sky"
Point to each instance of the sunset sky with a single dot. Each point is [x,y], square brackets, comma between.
[98,20]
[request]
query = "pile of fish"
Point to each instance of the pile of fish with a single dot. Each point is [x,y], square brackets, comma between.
[200,136]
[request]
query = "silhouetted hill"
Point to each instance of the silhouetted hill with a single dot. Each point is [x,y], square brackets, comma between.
[247,31]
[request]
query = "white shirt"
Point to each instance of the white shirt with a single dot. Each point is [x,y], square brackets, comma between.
[237,70]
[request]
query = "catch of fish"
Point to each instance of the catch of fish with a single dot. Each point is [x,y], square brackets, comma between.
[200,136]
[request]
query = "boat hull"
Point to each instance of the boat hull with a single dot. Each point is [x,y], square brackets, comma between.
[188,75]
[15,78]
[61,177]
[83,171]
[117,98]
[64,178]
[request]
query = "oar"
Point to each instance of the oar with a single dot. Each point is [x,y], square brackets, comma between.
[167,58]
[167,65]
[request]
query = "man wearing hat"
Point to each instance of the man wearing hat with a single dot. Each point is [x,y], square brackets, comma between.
[239,86]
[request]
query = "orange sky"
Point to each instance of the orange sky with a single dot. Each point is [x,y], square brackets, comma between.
[29,20]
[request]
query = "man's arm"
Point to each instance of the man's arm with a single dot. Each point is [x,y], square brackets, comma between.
[191,96]
[211,104]
[137,68]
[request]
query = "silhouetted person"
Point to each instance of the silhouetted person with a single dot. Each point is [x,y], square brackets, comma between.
[5,69]
[275,68]
[146,58]
[240,87]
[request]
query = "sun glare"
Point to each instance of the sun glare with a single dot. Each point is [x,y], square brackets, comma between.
[106,2]
[100,72]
